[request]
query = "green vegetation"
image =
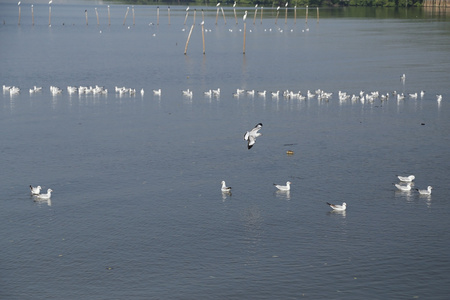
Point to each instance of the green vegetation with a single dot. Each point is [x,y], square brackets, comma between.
[299,3]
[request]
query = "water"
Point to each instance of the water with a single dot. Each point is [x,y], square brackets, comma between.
[137,210]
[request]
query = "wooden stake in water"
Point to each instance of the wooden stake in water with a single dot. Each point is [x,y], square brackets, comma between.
[109,17]
[50,13]
[187,13]
[96,13]
[234,10]
[262,7]
[295,14]
[189,37]
[168,13]
[278,12]
[32,15]
[217,13]
[203,36]
[254,17]
[195,12]
[132,10]
[317,14]
[306,18]
[85,13]
[285,15]
[203,16]
[223,14]
[19,11]
[245,28]
[126,14]
[157,15]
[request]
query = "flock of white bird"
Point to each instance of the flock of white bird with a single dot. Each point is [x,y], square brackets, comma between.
[406,183]
[318,94]
[36,192]
[250,137]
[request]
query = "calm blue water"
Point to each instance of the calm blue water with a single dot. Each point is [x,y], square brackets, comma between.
[137,211]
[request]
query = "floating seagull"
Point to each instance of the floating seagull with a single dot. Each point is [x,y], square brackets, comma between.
[35,190]
[225,188]
[45,196]
[251,135]
[425,192]
[286,187]
[338,207]
[403,188]
[409,178]
[187,93]
[157,92]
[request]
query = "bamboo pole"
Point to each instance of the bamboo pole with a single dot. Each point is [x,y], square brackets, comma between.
[285,15]
[217,13]
[126,14]
[234,10]
[189,37]
[278,12]
[195,12]
[203,36]
[317,14]
[50,13]
[32,15]
[132,9]
[187,13]
[157,15]
[203,16]
[262,7]
[19,12]
[109,17]
[168,13]
[223,14]
[245,28]
[96,13]
[295,14]
[256,11]
[306,18]
[85,13]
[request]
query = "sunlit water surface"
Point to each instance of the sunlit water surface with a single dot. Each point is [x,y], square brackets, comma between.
[137,211]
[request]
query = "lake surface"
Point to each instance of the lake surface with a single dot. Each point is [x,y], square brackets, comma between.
[137,211]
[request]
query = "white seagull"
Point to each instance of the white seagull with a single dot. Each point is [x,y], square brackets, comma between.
[251,135]
[338,207]
[187,93]
[409,178]
[403,188]
[35,190]
[245,16]
[425,192]
[286,187]
[225,188]
[157,92]
[45,196]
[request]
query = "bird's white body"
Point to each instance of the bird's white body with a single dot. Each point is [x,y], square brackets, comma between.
[45,196]
[251,135]
[225,188]
[403,188]
[35,190]
[338,207]
[425,192]
[286,187]
[409,178]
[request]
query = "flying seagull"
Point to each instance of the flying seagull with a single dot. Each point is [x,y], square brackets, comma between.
[251,135]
